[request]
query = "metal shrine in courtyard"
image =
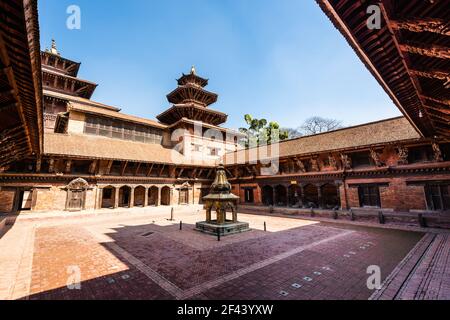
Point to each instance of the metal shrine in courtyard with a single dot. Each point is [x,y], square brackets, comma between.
[221,199]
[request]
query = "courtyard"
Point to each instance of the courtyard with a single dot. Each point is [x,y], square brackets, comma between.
[140,254]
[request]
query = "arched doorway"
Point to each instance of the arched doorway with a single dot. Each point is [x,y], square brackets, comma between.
[153,196]
[76,195]
[124,197]
[267,195]
[139,196]
[183,196]
[311,196]
[295,196]
[165,196]
[330,196]
[280,196]
[108,197]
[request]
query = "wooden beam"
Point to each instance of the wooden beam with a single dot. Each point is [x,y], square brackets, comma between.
[93,166]
[439,101]
[137,169]
[172,171]
[236,172]
[433,51]
[149,172]
[209,173]
[443,120]
[108,168]
[124,166]
[440,75]
[432,25]
[68,167]
[162,169]
[194,174]
[441,110]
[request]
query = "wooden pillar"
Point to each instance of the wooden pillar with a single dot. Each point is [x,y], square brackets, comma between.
[100,198]
[274,196]
[208,214]
[338,190]
[234,210]
[301,196]
[146,197]
[116,197]
[131,205]
[319,196]
[287,197]
[158,201]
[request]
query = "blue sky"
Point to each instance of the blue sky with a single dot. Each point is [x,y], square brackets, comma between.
[281,60]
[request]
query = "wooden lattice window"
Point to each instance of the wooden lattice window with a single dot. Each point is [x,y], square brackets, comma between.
[438,196]
[369,196]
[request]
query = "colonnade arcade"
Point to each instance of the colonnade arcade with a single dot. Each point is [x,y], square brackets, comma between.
[308,195]
[126,196]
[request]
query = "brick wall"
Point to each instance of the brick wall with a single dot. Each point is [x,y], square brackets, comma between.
[395,194]
[7,196]
[52,198]
[402,197]
[239,190]
[353,197]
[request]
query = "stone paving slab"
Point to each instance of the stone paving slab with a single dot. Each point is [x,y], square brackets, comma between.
[142,255]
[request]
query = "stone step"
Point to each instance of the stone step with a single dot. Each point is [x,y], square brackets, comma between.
[430,279]
[424,274]
[394,282]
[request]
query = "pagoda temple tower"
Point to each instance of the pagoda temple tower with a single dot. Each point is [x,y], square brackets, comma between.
[191,101]
[61,84]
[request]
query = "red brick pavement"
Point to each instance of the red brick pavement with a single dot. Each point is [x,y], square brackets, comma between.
[327,261]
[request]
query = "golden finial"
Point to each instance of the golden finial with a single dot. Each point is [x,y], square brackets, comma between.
[53,49]
[193,71]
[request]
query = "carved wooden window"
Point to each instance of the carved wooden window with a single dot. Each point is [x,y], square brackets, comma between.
[445,148]
[438,196]
[120,130]
[369,196]
[361,159]
[420,154]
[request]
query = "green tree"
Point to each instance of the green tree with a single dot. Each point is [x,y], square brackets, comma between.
[259,131]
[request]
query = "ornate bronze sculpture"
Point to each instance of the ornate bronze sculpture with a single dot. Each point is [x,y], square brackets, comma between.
[221,199]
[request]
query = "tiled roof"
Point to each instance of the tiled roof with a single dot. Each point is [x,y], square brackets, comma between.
[113,114]
[79,100]
[95,147]
[380,132]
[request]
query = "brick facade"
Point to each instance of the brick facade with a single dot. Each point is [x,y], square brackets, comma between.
[7,197]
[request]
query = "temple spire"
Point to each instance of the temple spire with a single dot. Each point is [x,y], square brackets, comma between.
[193,71]
[53,49]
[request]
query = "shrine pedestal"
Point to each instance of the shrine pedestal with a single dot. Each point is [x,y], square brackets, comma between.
[224,229]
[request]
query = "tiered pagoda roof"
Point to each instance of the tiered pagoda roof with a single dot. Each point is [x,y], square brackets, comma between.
[60,74]
[190,100]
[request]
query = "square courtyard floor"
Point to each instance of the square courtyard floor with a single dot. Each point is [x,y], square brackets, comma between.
[141,255]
